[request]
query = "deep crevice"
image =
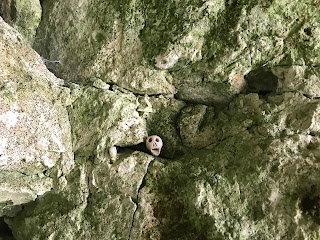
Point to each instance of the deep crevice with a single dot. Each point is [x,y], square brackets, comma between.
[136,200]
[141,147]
[307,96]
[112,87]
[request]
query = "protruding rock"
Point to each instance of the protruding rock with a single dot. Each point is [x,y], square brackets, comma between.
[35,134]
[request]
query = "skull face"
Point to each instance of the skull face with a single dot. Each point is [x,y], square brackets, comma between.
[154,144]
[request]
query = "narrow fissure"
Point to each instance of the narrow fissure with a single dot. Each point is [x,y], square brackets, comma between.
[136,201]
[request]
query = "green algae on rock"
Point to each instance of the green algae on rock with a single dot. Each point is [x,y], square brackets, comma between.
[196,130]
[101,119]
[232,88]
[99,202]
[256,182]
[23,15]
[152,47]
[105,46]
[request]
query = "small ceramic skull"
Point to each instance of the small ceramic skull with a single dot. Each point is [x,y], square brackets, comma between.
[154,144]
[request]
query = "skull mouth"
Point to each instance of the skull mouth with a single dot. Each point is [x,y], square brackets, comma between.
[155,151]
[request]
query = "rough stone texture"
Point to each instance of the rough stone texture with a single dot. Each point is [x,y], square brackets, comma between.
[108,35]
[260,181]
[35,134]
[195,131]
[98,202]
[302,78]
[206,47]
[102,119]
[232,88]
[24,15]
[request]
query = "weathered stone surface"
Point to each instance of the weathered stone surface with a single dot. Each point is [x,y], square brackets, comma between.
[259,181]
[103,43]
[24,15]
[160,211]
[303,78]
[115,192]
[193,86]
[56,214]
[35,133]
[205,46]
[102,119]
[196,129]
[98,202]
[230,86]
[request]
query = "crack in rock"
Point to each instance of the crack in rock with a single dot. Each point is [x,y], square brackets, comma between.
[136,200]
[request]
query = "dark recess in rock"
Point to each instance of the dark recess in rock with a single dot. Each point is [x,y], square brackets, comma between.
[5,231]
[261,81]
[164,153]
[308,32]
[310,204]
[8,10]
[139,147]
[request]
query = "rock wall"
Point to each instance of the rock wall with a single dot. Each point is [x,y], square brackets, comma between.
[231,87]
[35,134]
[24,15]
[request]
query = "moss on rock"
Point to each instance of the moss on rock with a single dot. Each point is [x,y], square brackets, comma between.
[24,15]
[232,88]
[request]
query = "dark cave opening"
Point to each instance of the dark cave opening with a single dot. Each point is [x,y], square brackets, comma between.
[261,81]
[5,231]
[310,204]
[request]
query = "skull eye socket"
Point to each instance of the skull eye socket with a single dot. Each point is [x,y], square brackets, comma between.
[150,140]
[157,140]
